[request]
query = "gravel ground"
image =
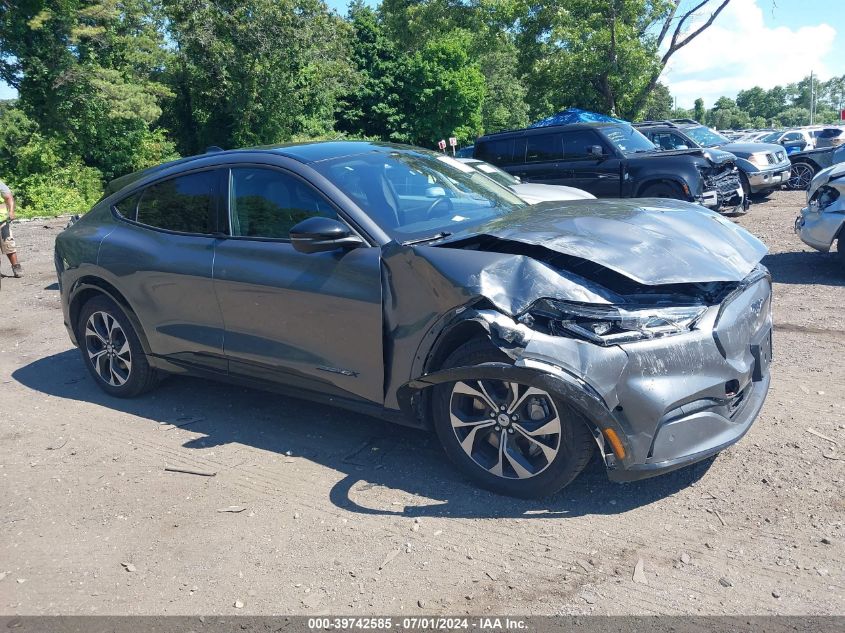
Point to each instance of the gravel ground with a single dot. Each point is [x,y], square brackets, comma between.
[347,514]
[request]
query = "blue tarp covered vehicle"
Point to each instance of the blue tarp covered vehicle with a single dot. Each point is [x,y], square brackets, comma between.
[575,115]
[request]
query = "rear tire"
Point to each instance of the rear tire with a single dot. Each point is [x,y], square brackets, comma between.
[840,250]
[664,190]
[112,351]
[490,430]
[800,176]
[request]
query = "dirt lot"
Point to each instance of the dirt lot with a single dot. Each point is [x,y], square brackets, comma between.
[347,514]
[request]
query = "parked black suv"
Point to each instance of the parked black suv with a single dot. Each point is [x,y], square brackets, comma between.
[763,167]
[613,160]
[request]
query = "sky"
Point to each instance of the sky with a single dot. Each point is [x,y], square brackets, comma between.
[752,43]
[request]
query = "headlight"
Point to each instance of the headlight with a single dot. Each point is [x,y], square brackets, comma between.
[759,159]
[824,197]
[612,325]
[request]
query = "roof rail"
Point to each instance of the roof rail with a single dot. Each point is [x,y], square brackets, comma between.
[212,149]
[693,121]
[664,122]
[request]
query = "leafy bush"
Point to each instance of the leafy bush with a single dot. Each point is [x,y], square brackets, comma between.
[47,183]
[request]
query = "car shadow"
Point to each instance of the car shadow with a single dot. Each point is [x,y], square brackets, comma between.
[368,451]
[805,267]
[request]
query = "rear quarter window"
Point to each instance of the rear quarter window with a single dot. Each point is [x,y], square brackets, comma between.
[497,152]
[183,204]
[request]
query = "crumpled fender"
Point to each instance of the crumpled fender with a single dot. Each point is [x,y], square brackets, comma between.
[555,381]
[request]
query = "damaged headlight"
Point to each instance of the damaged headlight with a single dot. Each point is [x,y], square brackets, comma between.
[612,325]
[824,198]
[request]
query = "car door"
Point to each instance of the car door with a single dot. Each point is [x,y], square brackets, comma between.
[598,174]
[305,320]
[793,142]
[160,256]
[538,157]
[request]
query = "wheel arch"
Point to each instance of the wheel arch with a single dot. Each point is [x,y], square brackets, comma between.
[89,287]
[664,180]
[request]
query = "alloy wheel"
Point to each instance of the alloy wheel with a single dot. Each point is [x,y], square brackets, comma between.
[108,349]
[800,176]
[508,429]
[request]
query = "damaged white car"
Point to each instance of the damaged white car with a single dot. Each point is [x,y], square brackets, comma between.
[822,221]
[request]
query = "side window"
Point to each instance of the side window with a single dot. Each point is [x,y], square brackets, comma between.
[496,152]
[792,136]
[667,140]
[184,204]
[577,144]
[128,207]
[543,147]
[269,203]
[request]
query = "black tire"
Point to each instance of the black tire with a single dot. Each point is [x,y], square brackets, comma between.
[136,375]
[664,190]
[840,250]
[800,176]
[575,442]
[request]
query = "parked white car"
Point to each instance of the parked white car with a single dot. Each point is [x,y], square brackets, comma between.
[532,193]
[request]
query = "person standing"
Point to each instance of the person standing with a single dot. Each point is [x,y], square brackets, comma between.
[7,241]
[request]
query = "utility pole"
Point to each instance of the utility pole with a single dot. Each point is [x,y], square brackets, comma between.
[812,97]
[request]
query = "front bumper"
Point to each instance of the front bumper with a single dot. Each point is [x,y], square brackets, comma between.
[678,400]
[723,193]
[820,229]
[670,401]
[772,178]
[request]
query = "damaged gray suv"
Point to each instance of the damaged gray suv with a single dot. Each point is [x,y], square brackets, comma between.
[402,283]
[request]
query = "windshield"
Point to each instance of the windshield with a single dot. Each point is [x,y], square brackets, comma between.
[705,137]
[628,140]
[415,195]
[500,176]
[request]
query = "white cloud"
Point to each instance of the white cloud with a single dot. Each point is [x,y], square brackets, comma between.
[739,51]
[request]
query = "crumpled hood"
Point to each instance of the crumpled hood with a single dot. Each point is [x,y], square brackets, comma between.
[713,155]
[834,172]
[652,241]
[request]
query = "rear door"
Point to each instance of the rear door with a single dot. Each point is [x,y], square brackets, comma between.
[538,157]
[305,320]
[600,175]
[161,258]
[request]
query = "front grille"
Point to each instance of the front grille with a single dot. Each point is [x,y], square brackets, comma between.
[725,182]
[735,402]
[772,159]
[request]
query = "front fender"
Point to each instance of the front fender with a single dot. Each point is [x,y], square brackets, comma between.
[554,380]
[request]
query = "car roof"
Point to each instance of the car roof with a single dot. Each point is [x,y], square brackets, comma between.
[305,152]
[552,128]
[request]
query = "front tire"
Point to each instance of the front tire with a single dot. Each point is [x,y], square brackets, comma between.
[112,351]
[664,190]
[505,436]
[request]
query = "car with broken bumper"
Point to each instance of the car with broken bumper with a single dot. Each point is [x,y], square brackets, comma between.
[402,283]
[822,221]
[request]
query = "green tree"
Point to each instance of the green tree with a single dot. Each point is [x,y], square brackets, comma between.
[256,71]
[699,111]
[87,74]
[659,104]
[373,106]
[504,106]
[447,91]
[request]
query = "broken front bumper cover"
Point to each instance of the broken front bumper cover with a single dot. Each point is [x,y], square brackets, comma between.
[819,229]
[670,402]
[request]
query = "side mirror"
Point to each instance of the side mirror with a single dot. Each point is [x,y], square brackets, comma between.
[681,146]
[435,192]
[597,151]
[318,234]
[517,178]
